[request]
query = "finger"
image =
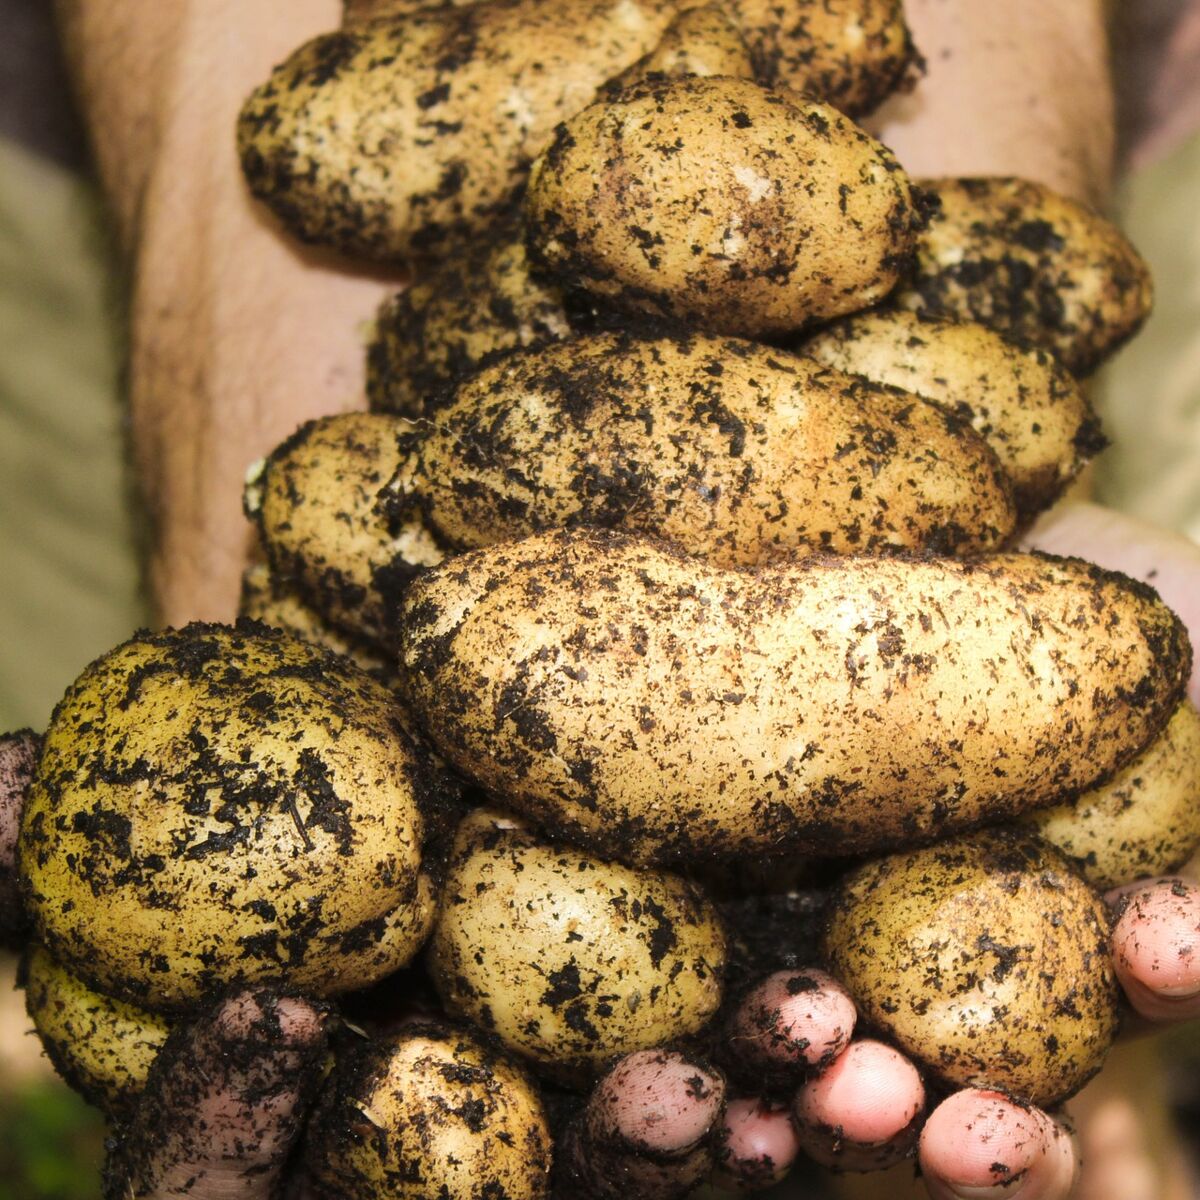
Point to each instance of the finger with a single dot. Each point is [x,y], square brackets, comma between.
[756,1146]
[1169,562]
[977,1145]
[18,756]
[223,1104]
[862,1113]
[647,1129]
[1156,948]
[792,1020]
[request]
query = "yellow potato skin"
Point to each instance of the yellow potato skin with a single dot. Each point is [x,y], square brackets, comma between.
[429,1111]
[102,1047]
[736,452]
[222,805]
[656,709]
[1031,264]
[984,958]
[723,204]
[1030,410]
[567,959]
[1143,822]
[394,140]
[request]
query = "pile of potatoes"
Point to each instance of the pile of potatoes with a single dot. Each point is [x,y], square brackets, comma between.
[679,538]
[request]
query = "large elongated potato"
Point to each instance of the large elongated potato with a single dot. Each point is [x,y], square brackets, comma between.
[1033,265]
[724,204]
[657,709]
[569,960]
[1143,822]
[1028,407]
[429,1112]
[985,958]
[217,805]
[733,451]
[397,138]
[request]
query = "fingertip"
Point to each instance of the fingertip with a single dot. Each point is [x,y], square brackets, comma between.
[1156,949]
[799,1018]
[759,1143]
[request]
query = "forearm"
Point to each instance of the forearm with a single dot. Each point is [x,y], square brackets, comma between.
[236,335]
[1018,87]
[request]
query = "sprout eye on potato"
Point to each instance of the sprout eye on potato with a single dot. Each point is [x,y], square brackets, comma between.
[569,960]
[1033,265]
[721,203]
[222,805]
[984,958]
[658,709]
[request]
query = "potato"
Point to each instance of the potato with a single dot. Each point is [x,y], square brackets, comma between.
[984,958]
[1143,822]
[722,204]
[102,1047]
[429,1112]
[221,805]
[1033,265]
[472,308]
[735,452]
[1030,409]
[313,501]
[569,960]
[396,139]
[277,602]
[656,709]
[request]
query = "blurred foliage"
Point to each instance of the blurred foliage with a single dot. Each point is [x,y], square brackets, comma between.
[51,1144]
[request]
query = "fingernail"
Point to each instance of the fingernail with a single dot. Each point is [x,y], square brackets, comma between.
[1183,992]
[995,1191]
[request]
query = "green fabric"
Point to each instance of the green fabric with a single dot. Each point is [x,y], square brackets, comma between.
[69,581]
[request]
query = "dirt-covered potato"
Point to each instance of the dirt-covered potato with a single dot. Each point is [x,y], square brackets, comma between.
[567,959]
[313,500]
[396,139]
[1028,407]
[278,603]
[428,1112]
[476,305]
[721,203]
[655,708]
[1033,265]
[1145,821]
[102,1047]
[985,958]
[733,451]
[217,805]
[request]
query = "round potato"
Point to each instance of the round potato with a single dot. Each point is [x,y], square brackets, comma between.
[313,501]
[984,958]
[1028,407]
[735,452]
[429,1112]
[1143,822]
[1033,265]
[658,709]
[221,805]
[102,1047]
[567,959]
[395,140]
[723,204]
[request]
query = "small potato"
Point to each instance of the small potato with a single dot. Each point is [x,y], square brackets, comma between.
[429,1112]
[1032,265]
[395,140]
[102,1047]
[657,709]
[219,805]
[475,306]
[1029,408]
[723,204]
[735,452]
[1145,821]
[984,958]
[313,501]
[569,960]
